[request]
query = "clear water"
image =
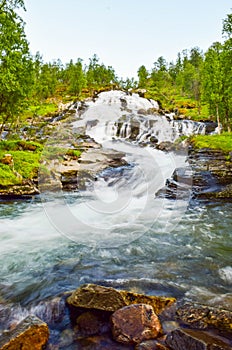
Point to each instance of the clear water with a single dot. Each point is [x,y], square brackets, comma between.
[118,233]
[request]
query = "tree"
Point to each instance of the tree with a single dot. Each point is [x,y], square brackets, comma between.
[213,79]
[98,75]
[75,77]
[15,62]
[227,26]
[142,75]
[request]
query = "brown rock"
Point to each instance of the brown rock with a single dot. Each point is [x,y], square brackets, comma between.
[31,333]
[7,159]
[92,323]
[92,296]
[181,339]
[201,316]
[134,323]
[157,302]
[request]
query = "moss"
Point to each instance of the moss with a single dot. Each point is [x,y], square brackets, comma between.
[221,142]
[7,176]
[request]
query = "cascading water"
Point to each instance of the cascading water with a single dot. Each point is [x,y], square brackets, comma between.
[118,115]
[117,232]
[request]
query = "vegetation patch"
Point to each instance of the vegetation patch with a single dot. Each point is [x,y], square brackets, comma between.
[221,142]
[20,160]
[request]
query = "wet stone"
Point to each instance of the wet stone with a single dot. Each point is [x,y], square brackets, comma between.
[151,345]
[92,323]
[135,323]
[31,333]
[202,317]
[92,296]
[181,339]
[100,343]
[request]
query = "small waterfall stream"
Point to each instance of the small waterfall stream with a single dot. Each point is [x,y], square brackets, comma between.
[117,232]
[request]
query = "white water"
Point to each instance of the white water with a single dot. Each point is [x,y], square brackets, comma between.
[117,231]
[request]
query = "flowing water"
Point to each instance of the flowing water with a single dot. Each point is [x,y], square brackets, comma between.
[118,232]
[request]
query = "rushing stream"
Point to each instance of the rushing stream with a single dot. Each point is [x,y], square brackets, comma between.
[118,232]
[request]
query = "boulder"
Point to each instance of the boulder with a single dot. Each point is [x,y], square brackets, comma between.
[159,303]
[92,296]
[31,333]
[92,322]
[181,339]
[202,317]
[134,323]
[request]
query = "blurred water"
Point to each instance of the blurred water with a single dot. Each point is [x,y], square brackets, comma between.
[118,233]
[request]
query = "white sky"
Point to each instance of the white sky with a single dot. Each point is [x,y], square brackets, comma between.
[123,33]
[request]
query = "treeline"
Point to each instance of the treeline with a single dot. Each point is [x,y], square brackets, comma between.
[196,79]
[202,79]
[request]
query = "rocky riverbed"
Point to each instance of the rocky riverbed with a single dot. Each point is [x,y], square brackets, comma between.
[207,176]
[95,317]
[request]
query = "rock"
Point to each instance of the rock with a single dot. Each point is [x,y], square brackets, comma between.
[208,176]
[66,338]
[100,343]
[92,322]
[151,345]
[158,303]
[7,159]
[201,316]
[181,339]
[135,129]
[134,323]
[92,296]
[154,139]
[165,146]
[31,333]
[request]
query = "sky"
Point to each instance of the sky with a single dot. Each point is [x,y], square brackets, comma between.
[124,34]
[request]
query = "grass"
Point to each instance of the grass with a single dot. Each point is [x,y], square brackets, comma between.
[221,142]
[40,109]
[27,157]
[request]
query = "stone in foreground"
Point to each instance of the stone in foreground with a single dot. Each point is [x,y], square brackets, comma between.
[201,316]
[134,323]
[31,333]
[181,339]
[92,296]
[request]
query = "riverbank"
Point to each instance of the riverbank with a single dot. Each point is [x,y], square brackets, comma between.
[208,173]
[96,317]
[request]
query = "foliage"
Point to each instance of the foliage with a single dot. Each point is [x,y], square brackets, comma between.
[7,176]
[15,62]
[222,141]
[27,156]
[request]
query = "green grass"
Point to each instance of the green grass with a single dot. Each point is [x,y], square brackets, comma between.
[27,157]
[7,177]
[221,142]
[39,109]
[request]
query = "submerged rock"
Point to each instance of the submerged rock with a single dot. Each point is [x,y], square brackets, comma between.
[181,339]
[31,333]
[134,323]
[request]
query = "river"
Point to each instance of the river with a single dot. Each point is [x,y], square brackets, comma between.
[118,232]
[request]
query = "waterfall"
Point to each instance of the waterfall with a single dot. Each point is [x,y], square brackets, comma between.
[117,115]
